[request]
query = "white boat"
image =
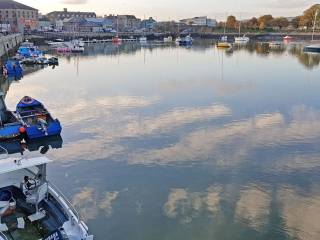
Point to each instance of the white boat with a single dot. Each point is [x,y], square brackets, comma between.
[275,44]
[242,39]
[143,39]
[224,38]
[178,39]
[313,47]
[75,46]
[168,39]
[31,206]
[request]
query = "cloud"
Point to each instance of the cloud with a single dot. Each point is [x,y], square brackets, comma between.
[121,124]
[74,2]
[300,213]
[253,207]
[186,205]
[90,203]
[233,143]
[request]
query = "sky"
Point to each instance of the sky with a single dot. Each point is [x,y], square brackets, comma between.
[178,9]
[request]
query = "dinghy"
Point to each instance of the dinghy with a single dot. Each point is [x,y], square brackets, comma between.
[37,121]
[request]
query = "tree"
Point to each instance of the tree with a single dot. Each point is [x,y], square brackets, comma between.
[308,16]
[252,23]
[265,21]
[296,22]
[231,22]
[280,22]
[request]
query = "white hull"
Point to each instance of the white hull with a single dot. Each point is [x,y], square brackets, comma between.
[242,39]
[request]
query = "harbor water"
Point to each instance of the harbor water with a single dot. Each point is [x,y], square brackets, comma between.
[166,142]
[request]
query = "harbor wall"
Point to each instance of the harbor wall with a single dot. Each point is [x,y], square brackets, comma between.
[9,43]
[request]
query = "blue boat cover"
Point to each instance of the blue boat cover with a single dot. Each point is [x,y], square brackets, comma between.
[14,68]
[29,52]
[28,102]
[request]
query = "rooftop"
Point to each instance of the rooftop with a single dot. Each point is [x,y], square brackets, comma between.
[10,4]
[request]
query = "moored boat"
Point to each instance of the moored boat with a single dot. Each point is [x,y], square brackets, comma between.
[31,206]
[168,39]
[312,48]
[36,119]
[223,44]
[242,39]
[10,126]
[186,41]
[14,68]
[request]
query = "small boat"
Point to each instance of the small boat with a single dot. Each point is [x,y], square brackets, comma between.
[29,61]
[143,39]
[63,49]
[31,206]
[178,39]
[224,38]
[37,121]
[53,61]
[287,38]
[315,48]
[242,39]
[75,46]
[116,40]
[275,44]
[224,45]
[42,61]
[27,50]
[186,41]
[14,68]
[10,126]
[168,39]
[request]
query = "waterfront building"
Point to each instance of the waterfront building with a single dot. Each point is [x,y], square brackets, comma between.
[128,22]
[148,24]
[65,14]
[72,24]
[96,24]
[200,21]
[20,17]
[44,24]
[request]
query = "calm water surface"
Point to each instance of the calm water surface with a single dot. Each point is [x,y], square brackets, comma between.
[162,142]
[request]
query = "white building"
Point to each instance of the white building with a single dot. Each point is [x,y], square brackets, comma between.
[200,21]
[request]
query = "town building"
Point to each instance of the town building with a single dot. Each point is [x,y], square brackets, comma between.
[96,25]
[20,17]
[128,22]
[200,21]
[44,24]
[65,14]
[148,24]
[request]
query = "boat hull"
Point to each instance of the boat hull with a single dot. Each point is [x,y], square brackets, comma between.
[10,132]
[314,49]
[35,131]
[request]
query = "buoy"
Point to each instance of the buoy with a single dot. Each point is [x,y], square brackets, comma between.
[22,129]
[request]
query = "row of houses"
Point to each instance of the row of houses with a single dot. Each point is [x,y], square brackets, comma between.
[17,17]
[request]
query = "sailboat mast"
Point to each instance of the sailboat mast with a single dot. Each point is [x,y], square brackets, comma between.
[314,24]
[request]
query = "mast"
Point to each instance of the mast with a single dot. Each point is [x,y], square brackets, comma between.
[314,24]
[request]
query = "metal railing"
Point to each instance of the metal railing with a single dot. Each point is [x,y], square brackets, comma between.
[2,236]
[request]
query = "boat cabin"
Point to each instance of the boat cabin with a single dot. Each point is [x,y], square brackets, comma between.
[31,208]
